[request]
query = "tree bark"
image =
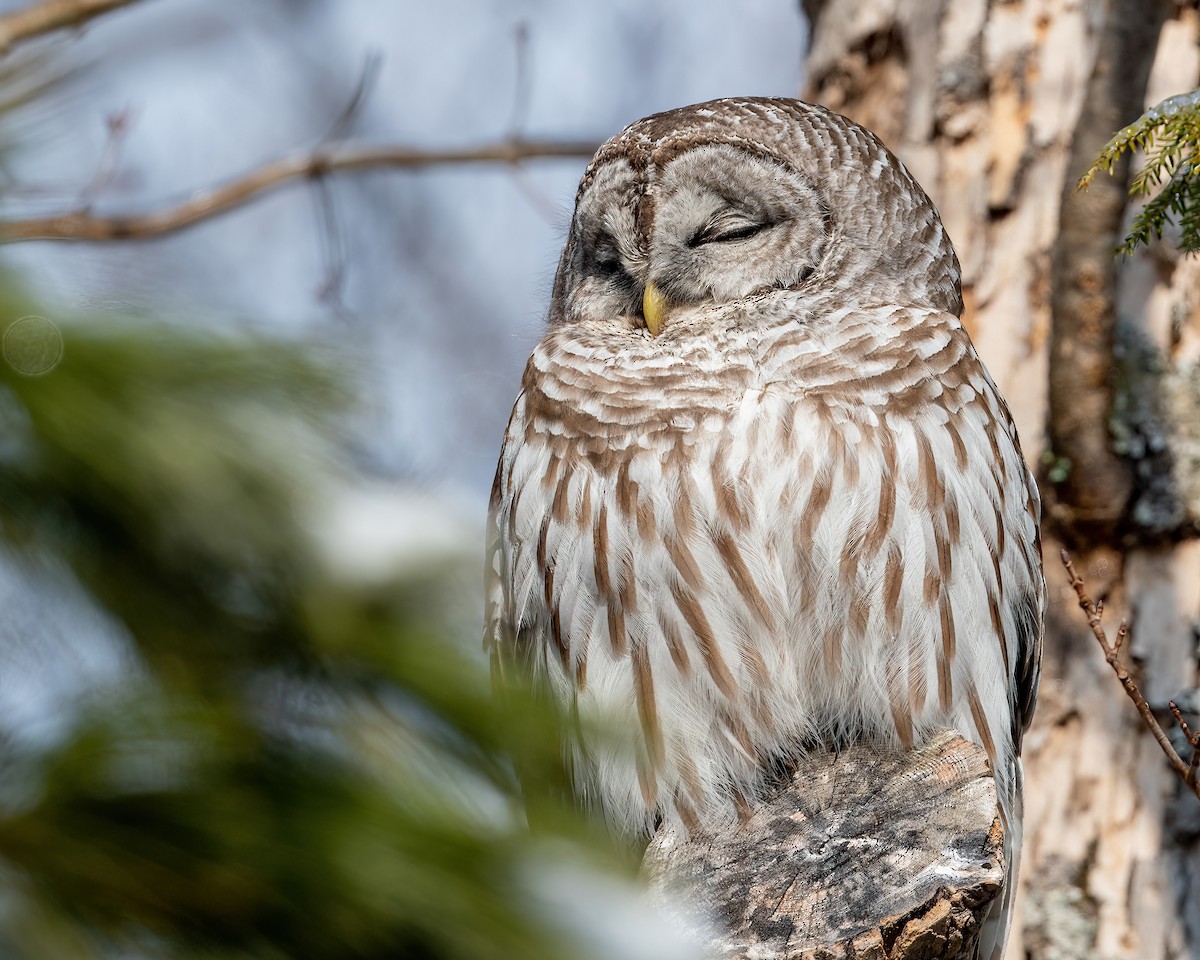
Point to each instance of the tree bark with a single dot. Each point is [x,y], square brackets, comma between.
[1091,497]
[861,855]
[984,100]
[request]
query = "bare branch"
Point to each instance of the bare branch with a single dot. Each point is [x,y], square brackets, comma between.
[1092,610]
[83,225]
[1193,740]
[51,15]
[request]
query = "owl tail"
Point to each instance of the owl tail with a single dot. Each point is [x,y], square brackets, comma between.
[996,922]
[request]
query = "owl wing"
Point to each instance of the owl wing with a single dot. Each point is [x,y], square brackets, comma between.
[968,489]
[1029,603]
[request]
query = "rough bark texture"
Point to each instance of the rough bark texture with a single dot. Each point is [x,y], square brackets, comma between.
[983,100]
[861,855]
[1092,495]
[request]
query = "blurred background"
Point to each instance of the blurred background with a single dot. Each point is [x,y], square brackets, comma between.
[439,278]
[244,463]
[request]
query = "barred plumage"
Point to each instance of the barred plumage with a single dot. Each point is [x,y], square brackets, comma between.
[799,514]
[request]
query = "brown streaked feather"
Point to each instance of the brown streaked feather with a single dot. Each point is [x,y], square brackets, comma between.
[953,521]
[647,706]
[998,463]
[998,627]
[581,663]
[916,675]
[647,782]
[945,558]
[646,526]
[900,708]
[687,813]
[585,505]
[550,477]
[560,506]
[693,614]
[860,615]
[960,448]
[832,650]
[740,575]
[689,776]
[627,591]
[882,525]
[981,724]
[616,628]
[932,582]
[946,654]
[684,514]
[741,805]
[893,579]
[600,553]
[685,563]
[556,634]
[931,477]
[733,723]
[814,509]
[627,491]
[754,664]
[543,536]
[729,506]
[675,645]
[848,461]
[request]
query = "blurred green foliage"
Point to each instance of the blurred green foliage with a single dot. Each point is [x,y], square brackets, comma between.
[1169,137]
[295,765]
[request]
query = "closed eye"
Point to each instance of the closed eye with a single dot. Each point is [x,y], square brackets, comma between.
[610,267]
[713,233]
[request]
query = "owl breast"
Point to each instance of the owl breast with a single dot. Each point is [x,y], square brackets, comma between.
[752,544]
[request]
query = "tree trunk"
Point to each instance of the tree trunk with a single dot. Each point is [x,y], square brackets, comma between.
[861,855]
[995,105]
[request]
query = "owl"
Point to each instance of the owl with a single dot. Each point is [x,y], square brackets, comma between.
[758,492]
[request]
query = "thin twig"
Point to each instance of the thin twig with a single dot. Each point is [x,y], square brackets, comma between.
[546,208]
[118,125]
[1092,611]
[333,252]
[51,15]
[82,225]
[340,128]
[333,246]
[1193,740]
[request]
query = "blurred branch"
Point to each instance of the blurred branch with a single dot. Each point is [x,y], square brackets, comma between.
[83,225]
[340,127]
[1112,653]
[52,15]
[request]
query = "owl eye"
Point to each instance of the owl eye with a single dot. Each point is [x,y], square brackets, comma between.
[608,265]
[724,233]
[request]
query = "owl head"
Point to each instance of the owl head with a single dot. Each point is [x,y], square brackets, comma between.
[733,203]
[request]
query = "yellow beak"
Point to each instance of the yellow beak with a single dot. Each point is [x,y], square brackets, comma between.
[654,305]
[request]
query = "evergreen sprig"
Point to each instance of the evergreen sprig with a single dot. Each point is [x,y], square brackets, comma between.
[1168,135]
[297,764]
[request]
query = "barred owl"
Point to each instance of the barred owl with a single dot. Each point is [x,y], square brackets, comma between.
[758,491]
